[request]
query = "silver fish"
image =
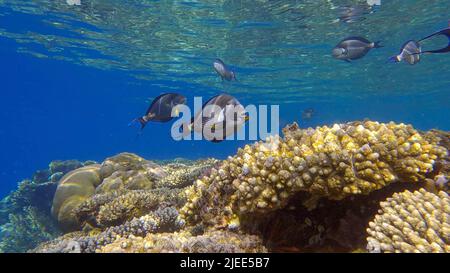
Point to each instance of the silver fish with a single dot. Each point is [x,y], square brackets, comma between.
[223,114]
[353,48]
[410,52]
[224,72]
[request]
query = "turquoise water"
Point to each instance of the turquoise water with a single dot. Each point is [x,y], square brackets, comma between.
[74,76]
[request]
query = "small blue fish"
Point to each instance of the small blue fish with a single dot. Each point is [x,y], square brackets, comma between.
[223,70]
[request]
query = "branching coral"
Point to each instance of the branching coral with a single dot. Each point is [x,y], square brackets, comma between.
[347,159]
[412,222]
[164,219]
[117,207]
[182,175]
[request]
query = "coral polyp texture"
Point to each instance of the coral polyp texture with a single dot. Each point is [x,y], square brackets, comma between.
[326,162]
[411,222]
[354,187]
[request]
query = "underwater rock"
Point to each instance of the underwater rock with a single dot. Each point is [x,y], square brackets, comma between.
[333,163]
[411,222]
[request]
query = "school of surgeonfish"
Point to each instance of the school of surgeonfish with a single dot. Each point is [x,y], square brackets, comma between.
[223,115]
[220,117]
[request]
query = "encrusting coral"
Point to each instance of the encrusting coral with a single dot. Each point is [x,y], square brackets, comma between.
[344,160]
[212,242]
[411,222]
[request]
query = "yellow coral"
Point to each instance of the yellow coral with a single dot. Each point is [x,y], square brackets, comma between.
[353,158]
[411,222]
[74,188]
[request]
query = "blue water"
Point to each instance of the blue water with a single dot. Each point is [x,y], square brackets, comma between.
[72,78]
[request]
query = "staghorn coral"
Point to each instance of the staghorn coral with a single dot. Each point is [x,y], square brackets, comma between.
[164,219]
[344,160]
[212,242]
[411,222]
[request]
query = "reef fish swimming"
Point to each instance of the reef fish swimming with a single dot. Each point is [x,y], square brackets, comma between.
[224,72]
[353,48]
[307,114]
[410,52]
[221,116]
[160,110]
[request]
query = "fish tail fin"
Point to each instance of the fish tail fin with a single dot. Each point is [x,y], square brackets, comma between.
[377,44]
[393,59]
[140,121]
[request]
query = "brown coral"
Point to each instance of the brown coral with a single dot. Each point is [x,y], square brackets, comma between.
[411,222]
[213,242]
[347,159]
[72,190]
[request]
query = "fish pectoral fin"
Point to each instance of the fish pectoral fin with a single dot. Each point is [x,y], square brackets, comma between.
[348,61]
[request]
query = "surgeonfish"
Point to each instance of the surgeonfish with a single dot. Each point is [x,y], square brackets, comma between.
[220,117]
[307,114]
[160,109]
[224,72]
[445,32]
[353,48]
[410,52]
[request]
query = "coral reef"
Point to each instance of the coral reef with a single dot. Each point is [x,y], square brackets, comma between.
[344,160]
[110,209]
[212,242]
[411,222]
[164,219]
[354,187]
[121,188]
[25,213]
[25,230]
